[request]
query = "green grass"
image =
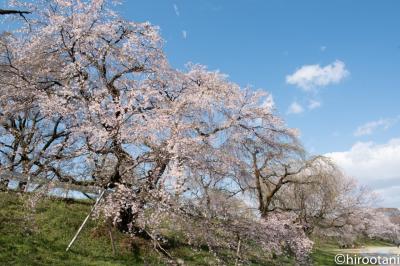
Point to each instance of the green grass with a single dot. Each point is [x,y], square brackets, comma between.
[324,253]
[41,237]
[325,250]
[55,222]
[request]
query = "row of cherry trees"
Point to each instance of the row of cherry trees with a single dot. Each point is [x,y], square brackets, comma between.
[88,98]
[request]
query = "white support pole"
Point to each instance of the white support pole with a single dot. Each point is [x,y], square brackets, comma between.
[114,251]
[27,184]
[86,219]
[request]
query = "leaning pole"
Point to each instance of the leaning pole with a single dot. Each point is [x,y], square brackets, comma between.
[86,219]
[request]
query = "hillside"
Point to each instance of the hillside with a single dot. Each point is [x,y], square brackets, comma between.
[56,221]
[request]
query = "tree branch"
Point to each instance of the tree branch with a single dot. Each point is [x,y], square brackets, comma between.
[10,12]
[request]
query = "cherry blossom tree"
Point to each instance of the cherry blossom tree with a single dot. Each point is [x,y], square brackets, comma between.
[89,98]
[335,205]
[31,143]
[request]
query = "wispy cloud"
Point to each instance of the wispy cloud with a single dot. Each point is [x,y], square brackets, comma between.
[323,48]
[268,102]
[176,9]
[295,108]
[184,34]
[370,127]
[313,104]
[309,77]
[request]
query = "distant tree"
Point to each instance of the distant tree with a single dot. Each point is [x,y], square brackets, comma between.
[335,205]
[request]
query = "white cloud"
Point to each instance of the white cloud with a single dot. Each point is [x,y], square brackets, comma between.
[295,108]
[184,34]
[313,104]
[370,127]
[309,77]
[374,165]
[176,9]
[268,102]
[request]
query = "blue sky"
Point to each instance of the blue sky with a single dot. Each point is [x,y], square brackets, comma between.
[260,43]
[350,49]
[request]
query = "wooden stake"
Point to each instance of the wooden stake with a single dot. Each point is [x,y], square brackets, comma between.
[112,240]
[238,252]
[84,221]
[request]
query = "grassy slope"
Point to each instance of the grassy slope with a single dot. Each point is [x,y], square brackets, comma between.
[56,221]
[324,251]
